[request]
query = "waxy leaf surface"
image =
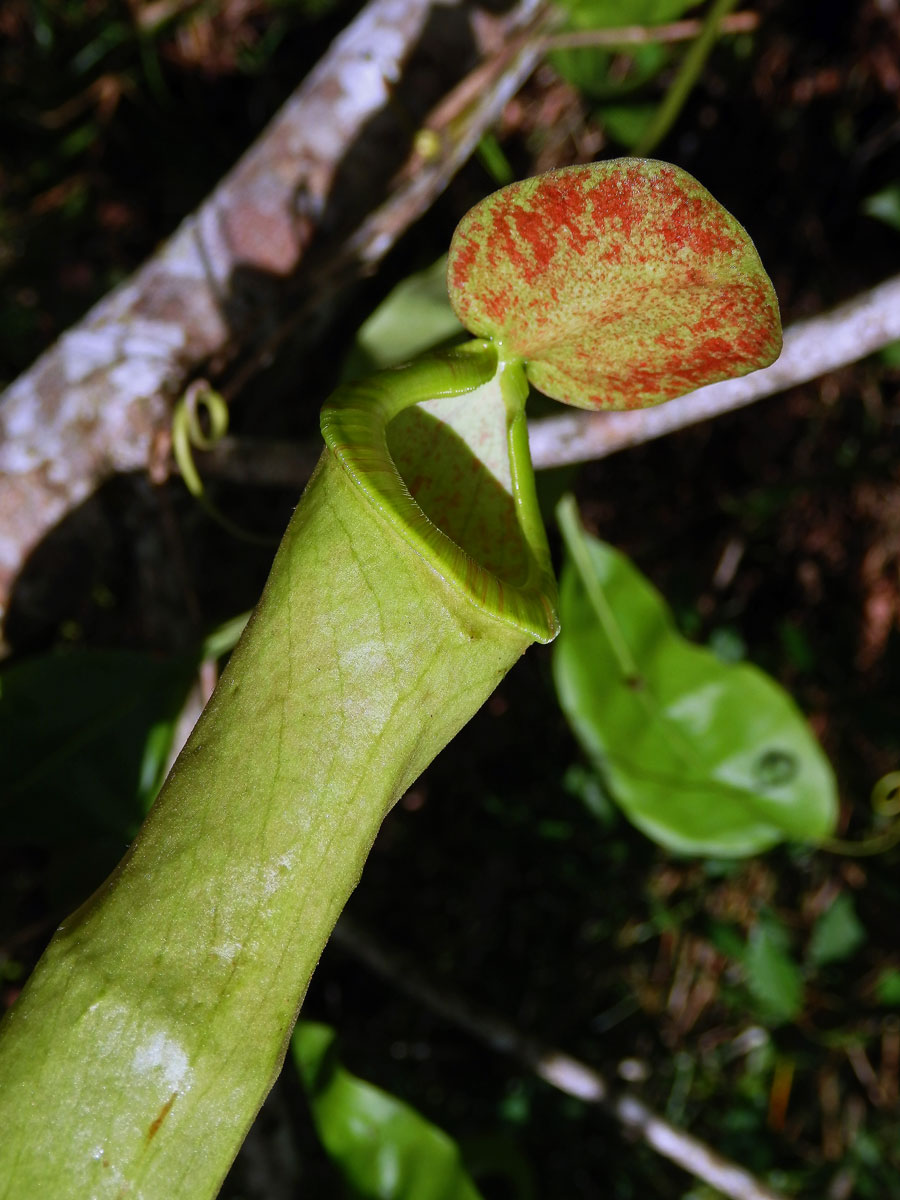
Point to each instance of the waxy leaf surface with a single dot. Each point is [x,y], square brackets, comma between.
[383,1148]
[705,757]
[621,284]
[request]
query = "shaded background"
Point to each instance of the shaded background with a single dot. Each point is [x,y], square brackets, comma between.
[505,874]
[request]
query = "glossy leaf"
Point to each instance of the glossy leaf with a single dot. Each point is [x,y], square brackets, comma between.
[705,757]
[384,1149]
[620,284]
[589,68]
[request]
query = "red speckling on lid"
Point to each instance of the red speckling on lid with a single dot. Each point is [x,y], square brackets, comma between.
[462,263]
[497,304]
[616,207]
[620,284]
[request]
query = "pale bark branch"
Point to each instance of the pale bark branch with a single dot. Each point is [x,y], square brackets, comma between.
[561,1071]
[445,142]
[812,348]
[97,401]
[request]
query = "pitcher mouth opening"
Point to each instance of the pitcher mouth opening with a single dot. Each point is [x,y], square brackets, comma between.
[436,463]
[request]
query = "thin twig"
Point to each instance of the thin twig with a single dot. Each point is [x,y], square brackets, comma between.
[643,35]
[561,1071]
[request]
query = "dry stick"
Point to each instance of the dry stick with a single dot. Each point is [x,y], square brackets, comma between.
[811,348]
[95,402]
[561,1071]
[642,35]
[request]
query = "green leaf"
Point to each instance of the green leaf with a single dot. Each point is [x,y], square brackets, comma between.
[619,284]
[773,978]
[885,205]
[84,740]
[627,123]
[837,934]
[491,156]
[889,355]
[414,317]
[610,14]
[887,989]
[384,1149]
[588,67]
[705,757]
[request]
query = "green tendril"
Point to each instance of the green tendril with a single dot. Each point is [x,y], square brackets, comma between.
[885,801]
[190,433]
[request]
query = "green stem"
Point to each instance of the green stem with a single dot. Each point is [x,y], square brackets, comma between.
[514,389]
[862,849]
[885,802]
[632,676]
[573,535]
[688,73]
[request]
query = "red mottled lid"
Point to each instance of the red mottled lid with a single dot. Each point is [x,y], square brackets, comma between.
[621,284]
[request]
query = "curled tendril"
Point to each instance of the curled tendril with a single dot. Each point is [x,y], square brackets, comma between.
[189,433]
[885,802]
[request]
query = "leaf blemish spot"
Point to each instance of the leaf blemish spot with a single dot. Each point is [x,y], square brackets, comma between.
[160,1117]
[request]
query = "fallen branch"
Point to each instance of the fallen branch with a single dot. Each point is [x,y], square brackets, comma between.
[811,348]
[445,142]
[561,1071]
[97,401]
